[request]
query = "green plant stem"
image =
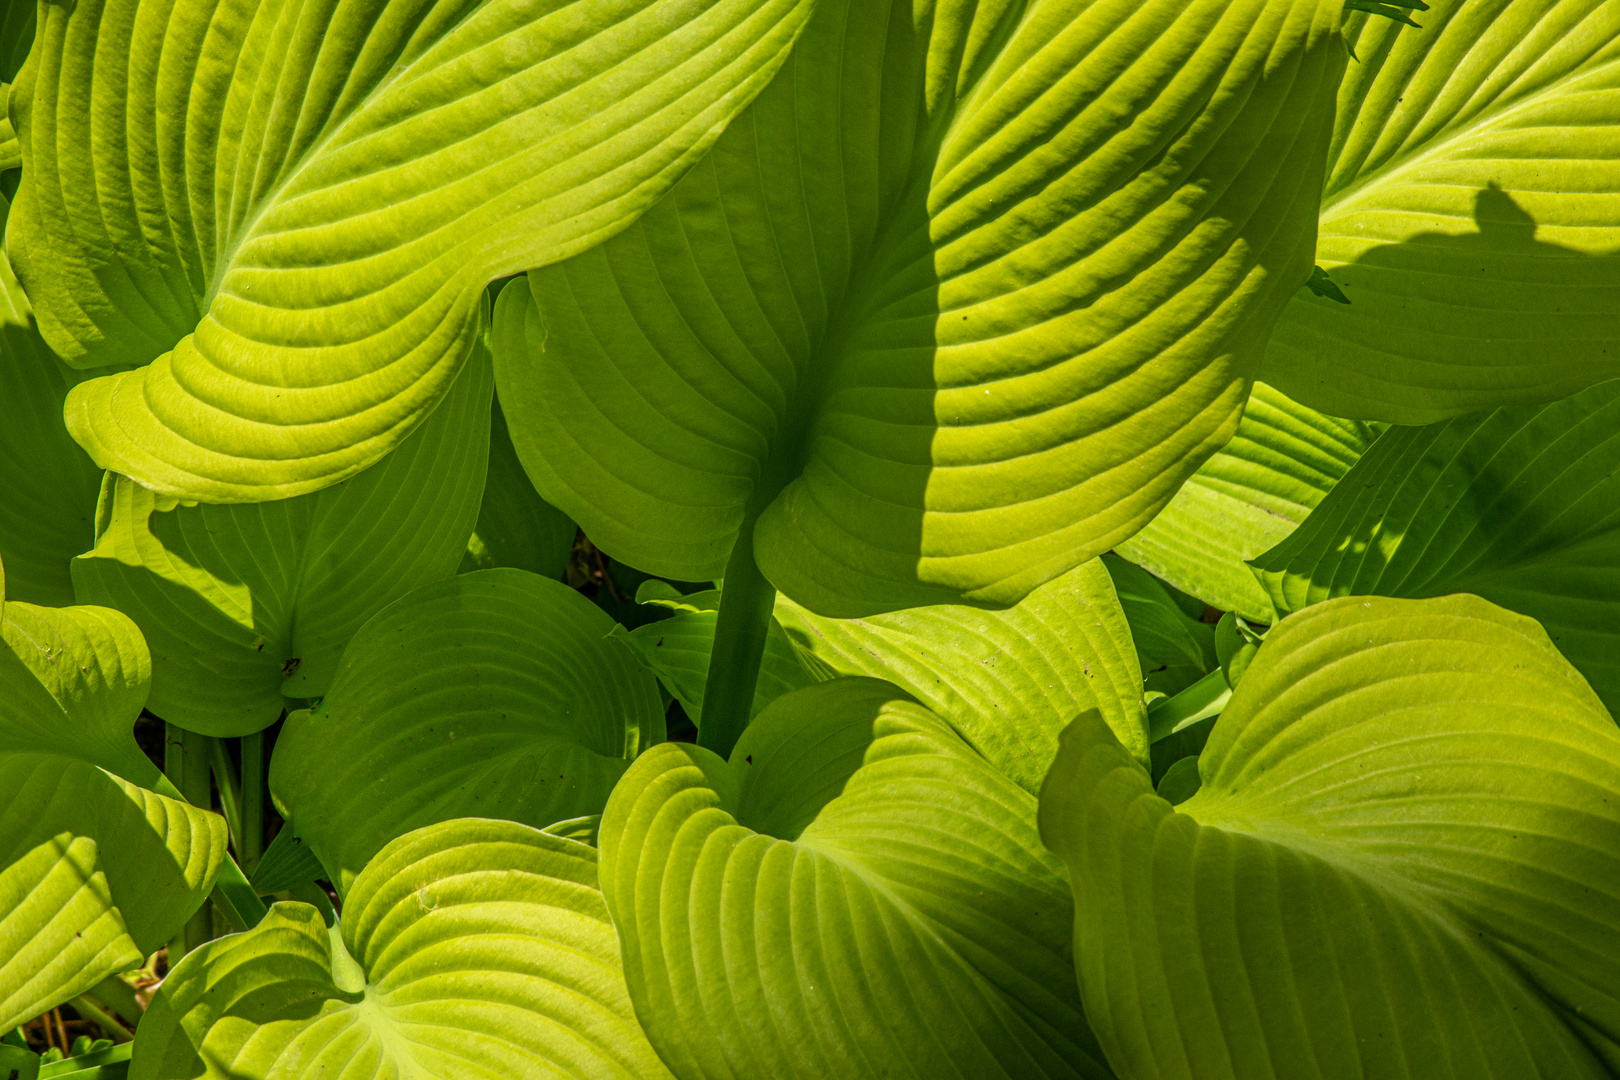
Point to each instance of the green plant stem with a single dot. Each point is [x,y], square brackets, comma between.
[236,898]
[250,845]
[194,782]
[120,997]
[746,603]
[230,798]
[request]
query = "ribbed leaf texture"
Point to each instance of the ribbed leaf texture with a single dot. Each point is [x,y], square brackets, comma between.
[47,515]
[1471,216]
[469,950]
[95,871]
[677,650]
[246,606]
[1007,681]
[933,302]
[287,210]
[493,694]
[1248,497]
[1520,505]
[856,893]
[1404,861]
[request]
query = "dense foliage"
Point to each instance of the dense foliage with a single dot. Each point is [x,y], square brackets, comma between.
[734,539]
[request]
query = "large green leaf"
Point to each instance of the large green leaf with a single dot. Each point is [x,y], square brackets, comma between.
[1471,215]
[932,309]
[1520,505]
[492,694]
[245,606]
[48,505]
[855,894]
[1403,862]
[516,527]
[474,950]
[678,649]
[1245,499]
[95,871]
[1008,681]
[287,210]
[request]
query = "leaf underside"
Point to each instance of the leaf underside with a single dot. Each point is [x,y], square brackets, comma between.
[286,211]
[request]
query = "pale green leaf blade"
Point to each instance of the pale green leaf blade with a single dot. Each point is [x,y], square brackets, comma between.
[287,211]
[470,949]
[493,694]
[48,513]
[856,893]
[1248,497]
[516,527]
[246,606]
[1008,681]
[1520,505]
[1471,215]
[677,650]
[1403,861]
[95,871]
[928,308]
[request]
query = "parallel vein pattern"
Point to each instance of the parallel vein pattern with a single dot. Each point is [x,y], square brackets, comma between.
[287,209]
[856,893]
[246,606]
[478,950]
[1520,505]
[1249,496]
[493,694]
[1471,215]
[1007,681]
[964,297]
[1403,863]
[95,872]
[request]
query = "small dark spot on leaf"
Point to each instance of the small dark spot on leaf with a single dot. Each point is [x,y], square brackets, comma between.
[289,667]
[749,759]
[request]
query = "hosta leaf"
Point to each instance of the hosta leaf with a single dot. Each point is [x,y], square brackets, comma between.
[95,871]
[245,606]
[478,950]
[1252,493]
[516,527]
[1173,649]
[1520,505]
[1008,681]
[856,893]
[287,210]
[47,512]
[493,694]
[677,650]
[930,308]
[1471,215]
[1403,861]
[16,37]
